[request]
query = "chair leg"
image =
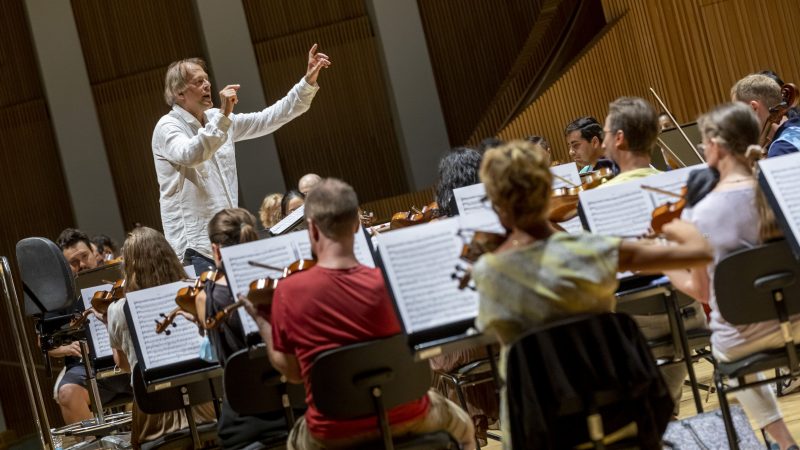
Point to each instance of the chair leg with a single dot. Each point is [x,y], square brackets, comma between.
[733,441]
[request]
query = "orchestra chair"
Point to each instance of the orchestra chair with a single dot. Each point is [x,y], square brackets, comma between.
[254,387]
[368,379]
[176,398]
[752,286]
[662,298]
[581,380]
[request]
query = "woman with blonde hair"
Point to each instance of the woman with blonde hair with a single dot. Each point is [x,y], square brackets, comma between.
[539,275]
[149,262]
[270,212]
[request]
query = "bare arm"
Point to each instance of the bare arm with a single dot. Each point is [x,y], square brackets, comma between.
[693,282]
[121,360]
[690,249]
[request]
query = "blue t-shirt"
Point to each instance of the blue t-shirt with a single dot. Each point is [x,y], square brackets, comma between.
[787,139]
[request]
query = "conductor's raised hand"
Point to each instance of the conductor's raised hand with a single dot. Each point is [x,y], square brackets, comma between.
[316,62]
[228,98]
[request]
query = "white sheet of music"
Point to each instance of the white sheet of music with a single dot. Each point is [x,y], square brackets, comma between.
[158,350]
[483,220]
[287,222]
[567,171]
[97,329]
[573,226]
[470,199]
[780,174]
[626,209]
[419,262]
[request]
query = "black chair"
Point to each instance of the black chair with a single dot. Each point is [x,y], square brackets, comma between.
[254,387]
[680,346]
[368,379]
[178,398]
[576,380]
[751,286]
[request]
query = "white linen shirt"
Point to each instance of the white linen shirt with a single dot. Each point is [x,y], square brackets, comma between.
[196,165]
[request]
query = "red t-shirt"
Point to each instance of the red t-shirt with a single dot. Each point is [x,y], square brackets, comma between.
[322,309]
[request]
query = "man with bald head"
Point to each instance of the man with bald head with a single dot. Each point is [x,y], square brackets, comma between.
[193,147]
[307,182]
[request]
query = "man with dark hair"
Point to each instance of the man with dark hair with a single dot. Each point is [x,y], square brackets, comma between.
[106,246]
[630,131]
[762,93]
[584,137]
[457,168]
[71,393]
[340,302]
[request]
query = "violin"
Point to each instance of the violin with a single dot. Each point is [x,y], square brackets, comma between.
[482,242]
[415,216]
[185,300]
[260,290]
[100,302]
[669,211]
[789,97]
[564,200]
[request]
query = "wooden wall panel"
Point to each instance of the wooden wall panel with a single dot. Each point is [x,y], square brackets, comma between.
[33,191]
[690,52]
[472,50]
[348,132]
[127,47]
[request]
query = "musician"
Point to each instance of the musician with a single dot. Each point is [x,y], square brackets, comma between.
[230,227]
[761,93]
[545,144]
[584,137]
[457,168]
[729,217]
[72,395]
[270,211]
[291,200]
[487,143]
[630,131]
[665,122]
[335,303]
[539,275]
[149,262]
[307,182]
[106,246]
[193,146]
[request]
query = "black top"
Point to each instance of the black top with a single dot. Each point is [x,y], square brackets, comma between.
[228,337]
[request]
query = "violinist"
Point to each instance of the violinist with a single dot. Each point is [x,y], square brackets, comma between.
[538,275]
[728,215]
[291,200]
[335,303]
[71,392]
[149,262]
[545,144]
[457,168]
[584,137]
[761,93]
[270,211]
[106,247]
[631,128]
[230,227]
[307,182]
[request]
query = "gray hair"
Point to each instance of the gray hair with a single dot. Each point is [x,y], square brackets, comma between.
[333,205]
[175,80]
[638,121]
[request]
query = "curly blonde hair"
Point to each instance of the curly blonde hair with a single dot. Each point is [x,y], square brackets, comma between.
[270,212]
[149,260]
[518,180]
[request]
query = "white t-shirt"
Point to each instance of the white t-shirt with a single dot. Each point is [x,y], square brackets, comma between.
[119,336]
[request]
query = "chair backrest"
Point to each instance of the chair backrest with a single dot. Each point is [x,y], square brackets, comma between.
[171,399]
[560,374]
[253,386]
[47,279]
[745,282]
[342,378]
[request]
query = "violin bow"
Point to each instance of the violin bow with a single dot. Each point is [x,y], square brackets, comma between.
[661,191]
[666,147]
[558,177]
[663,105]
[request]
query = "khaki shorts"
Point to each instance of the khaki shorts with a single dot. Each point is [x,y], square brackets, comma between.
[443,415]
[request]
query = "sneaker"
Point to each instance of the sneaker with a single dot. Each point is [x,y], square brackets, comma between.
[788,386]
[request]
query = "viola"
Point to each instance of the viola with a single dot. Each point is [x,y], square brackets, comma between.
[564,200]
[100,302]
[185,301]
[481,242]
[789,96]
[260,290]
[415,216]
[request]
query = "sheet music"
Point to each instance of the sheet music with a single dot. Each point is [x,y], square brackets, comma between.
[419,262]
[483,220]
[626,209]
[361,249]
[158,350]
[573,226]
[567,171]
[470,199]
[288,221]
[780,174]
[190,272]
[97,329]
